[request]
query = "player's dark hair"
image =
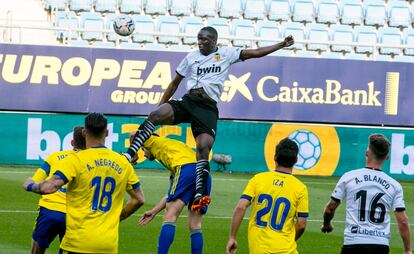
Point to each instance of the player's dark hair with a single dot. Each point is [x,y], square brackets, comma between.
[95,124]
[380,146]
[78,139]
[211,30]
[286,153]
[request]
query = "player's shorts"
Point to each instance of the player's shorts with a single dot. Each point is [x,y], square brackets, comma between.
[183,186]
[49,224]
[365,249]
[197,108]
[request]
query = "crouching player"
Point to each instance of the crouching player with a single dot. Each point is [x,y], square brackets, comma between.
[181,161]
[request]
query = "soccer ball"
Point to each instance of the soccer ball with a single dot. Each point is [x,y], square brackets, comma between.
[124,25]
[309,148]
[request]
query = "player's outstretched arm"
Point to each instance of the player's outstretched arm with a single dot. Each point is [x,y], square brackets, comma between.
[238,215]
[328,215]
[404,228]
[172,87]
[263,51]
[136,200]
[45,187]
[300,227]
[149,215]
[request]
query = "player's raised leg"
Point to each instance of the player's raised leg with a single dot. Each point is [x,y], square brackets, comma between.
[204,143]
[163,115]
[166,237]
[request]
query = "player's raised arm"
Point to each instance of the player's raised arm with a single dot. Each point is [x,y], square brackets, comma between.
[263,51]
[172,87]
[404,228]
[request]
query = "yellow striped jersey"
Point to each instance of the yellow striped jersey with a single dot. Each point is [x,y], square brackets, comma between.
[170,152]
[97,181]
[57,200]
[277,199]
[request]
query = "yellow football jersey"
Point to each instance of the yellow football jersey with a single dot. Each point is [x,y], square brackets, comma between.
[170,152]
[97,181]
[57,200]
[277,199]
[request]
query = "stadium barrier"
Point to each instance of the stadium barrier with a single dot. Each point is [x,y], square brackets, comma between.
[324,150]
[125,82]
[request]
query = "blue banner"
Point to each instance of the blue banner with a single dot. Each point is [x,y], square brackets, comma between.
[131,82]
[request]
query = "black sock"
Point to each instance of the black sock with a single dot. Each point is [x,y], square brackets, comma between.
[144,132]
[202,173]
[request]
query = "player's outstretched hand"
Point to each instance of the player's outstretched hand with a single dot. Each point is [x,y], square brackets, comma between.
[27,182]
[231,246]
[288,41]
[146,218]
[327,228]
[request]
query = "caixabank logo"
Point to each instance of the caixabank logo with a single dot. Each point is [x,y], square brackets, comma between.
[319,148]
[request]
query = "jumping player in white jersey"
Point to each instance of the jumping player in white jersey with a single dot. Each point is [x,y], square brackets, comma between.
[205,70]
[370,195]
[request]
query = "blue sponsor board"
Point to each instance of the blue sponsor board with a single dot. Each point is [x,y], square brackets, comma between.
[131,82]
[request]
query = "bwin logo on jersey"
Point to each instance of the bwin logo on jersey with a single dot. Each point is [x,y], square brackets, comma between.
[234,85]
[206,70]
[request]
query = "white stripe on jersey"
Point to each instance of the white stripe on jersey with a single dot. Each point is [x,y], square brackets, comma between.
[208,72]
[370,197]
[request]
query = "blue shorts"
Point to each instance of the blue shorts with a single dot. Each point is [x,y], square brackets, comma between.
[49,224]
[183,186]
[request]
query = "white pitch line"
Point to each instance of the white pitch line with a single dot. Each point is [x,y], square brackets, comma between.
[186,216]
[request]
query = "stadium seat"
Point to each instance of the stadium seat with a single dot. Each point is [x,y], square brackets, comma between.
[181,7]
[81,5]
[317,32]
[351,12]
[405,59]
[327,12]
[127,45]
[55,5]
[230,8]
[383,58]
[104,44]
[352,56]
[365,35]
[279,10]
[307,54]
[390,36]
[130,6]
[92,21]
[143,24]
[156,7]
[205,8]
[180,48]
[332,55]
[282,52]
[105,5]
[243,28]
[303,11]
[399,14]
[341,33]
[375,13]
[222,27]
[169,25]
[255,9]
[112,36]
[268,30]
[409,40]
[297,31]
[152,46]
[78,43]
[191,26]
[66,20]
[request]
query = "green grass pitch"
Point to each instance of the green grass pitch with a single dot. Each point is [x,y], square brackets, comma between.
[18,214]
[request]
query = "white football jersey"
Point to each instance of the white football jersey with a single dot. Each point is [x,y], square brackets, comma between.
[208,72]
[370,197]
